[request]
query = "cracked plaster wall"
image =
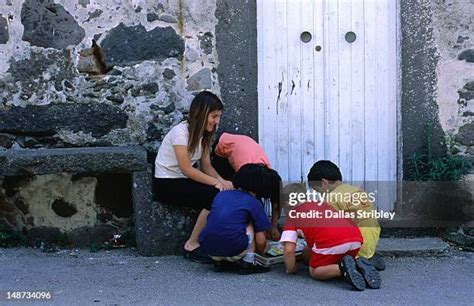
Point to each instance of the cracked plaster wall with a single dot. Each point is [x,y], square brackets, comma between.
[453,28]
[437,74]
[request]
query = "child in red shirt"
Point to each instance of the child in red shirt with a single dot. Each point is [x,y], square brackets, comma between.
[333,242]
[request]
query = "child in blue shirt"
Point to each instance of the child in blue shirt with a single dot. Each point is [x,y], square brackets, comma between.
[237,222]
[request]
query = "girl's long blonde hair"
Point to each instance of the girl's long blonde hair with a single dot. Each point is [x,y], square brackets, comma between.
[204,103]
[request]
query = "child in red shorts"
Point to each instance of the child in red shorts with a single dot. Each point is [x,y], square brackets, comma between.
[333,241]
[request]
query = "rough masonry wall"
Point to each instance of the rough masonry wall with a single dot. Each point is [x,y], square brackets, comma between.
[437,62]
[437,77]
[453,24]
[148,59]
[94,73]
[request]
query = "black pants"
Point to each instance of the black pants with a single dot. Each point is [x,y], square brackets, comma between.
[184,191]
[222,167]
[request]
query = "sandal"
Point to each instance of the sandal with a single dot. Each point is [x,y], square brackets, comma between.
[197,255]
[350,273]
[377,262]
[368,271]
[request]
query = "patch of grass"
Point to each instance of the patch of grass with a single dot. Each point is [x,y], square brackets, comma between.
[426,167]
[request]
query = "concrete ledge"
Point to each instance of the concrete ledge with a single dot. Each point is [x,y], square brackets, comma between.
[428,246]
[72,160]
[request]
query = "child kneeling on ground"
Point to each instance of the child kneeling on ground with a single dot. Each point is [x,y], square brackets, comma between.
[237,222]
[333,242]
[325,177]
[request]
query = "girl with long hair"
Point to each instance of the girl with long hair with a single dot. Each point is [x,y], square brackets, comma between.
[177,177]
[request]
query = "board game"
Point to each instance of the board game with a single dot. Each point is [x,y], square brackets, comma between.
[274,254]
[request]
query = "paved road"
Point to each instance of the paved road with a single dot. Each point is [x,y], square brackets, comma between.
[121,277]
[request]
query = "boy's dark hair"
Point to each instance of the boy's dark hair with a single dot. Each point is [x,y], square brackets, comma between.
[258,179]
[324,169]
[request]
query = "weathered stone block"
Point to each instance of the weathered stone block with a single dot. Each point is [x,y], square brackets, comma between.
[150,17]
[37,73]
[47,24]
[161,229]
[145,90]
[130,45]
[466,94]
[467,55]
[6,140]
[206,42]
[167,18]
[3,30]
[201,80]
[466,134]
[169,74]
[469,85]
[73,160]
[95,118]
[87,235]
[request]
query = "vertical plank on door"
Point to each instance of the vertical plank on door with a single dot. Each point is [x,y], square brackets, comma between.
[267,83]
[307,84]
[370,95]
[281,127]
[383,137]
[357,96]
[392,83]
[345,89]
[295,93]
[319,87]
[331,63]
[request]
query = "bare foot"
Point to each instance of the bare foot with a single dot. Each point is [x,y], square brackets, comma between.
[190,246]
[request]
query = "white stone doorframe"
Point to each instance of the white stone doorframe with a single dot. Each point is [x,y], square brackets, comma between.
[328,88]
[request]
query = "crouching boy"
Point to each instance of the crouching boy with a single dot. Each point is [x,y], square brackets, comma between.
[325,177]
[230,152]
[333,242]
[237,222]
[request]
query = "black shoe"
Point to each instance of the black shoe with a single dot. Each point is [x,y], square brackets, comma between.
[248,268]
[224,266]
[197,255]
[368,271]
[378,262]
[350,273]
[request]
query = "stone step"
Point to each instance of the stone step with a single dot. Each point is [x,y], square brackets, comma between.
[427,246]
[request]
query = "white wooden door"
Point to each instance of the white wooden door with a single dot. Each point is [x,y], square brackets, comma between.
[331,97]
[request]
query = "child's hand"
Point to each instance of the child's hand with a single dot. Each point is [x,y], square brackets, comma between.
[274,234]
[227,185]
[219,185]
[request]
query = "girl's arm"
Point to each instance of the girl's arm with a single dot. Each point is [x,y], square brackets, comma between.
[289,256]
[187,168]
[208,169]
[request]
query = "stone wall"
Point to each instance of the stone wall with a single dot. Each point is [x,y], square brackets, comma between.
[79,73]
[101,72]
[453,37]
[437,78]
[437,72]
